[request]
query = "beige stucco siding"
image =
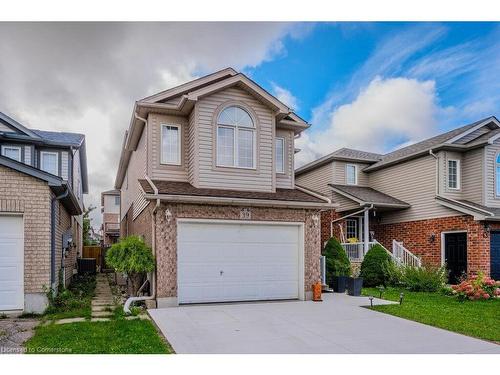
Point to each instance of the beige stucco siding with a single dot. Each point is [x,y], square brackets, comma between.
[413,182]
[211,176]
[286,180]
[317,179]
[473,176]
[339,173]
[491,152]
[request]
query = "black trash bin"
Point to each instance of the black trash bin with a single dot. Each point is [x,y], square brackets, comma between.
[354,286]
[340,283]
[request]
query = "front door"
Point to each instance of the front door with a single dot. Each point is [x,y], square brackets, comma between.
[495,255]
[455,255]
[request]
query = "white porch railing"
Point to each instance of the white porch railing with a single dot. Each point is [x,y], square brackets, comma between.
[355,250]
[403,256]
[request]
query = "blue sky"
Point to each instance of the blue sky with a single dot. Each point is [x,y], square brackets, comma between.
[330,64]
[371,86]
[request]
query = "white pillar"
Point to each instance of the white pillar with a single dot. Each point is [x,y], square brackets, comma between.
[366,232]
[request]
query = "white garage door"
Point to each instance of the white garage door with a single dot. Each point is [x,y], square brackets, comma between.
[224,261]
[11,263]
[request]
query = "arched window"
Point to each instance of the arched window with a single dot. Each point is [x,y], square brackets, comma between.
[497,175]
[235,138]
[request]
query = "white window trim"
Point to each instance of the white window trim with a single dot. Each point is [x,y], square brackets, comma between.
[355,174]
[43,153]
[356,226]
[235,141]
[18,148]
[459,176]
[179,153]
[283,153]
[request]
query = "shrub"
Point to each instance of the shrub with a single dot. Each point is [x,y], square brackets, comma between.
[76,296]
[424,279]
[337,262]
[376,267]
[477,287]
[133,257]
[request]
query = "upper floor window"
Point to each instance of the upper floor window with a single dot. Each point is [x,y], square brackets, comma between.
[13,152]
[170,144]
[351,174]
[497,175]
[235,138]
[453,174]
[49,162]
[280,155]
[117,200]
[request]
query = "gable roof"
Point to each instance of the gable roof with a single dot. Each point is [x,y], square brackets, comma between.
[62,138]
[423,147]
[344,154]
[188,94]
[14,125]
[367,196]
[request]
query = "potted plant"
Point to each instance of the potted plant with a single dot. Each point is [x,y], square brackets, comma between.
[338,267]
[354,284]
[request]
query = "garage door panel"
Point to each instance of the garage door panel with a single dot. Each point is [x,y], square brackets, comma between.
[11,263]
[258,262]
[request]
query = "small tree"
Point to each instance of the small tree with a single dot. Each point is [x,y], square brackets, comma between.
[133,257]
[376,267]
[87,227]
[337,262]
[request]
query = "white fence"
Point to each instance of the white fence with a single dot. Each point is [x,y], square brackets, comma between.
[401,255]
[355,250]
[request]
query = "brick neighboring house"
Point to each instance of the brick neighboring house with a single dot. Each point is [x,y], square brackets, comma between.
[206,177]
[43,176]
[110,208]
[438,199]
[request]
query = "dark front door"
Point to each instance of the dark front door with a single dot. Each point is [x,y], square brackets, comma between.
[495,255]
[455,255]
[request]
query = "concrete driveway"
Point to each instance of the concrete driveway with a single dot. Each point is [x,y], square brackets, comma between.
[337,325]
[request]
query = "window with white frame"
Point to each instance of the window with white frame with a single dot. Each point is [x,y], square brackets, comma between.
[12,152]
[497,175]
[351,174]
[170,144]
[351,228]
[235,138]
[453,174]
[280,155]
[117,200]
[49,162]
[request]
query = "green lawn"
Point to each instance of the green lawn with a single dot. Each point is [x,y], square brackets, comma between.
[113,337]
[479,319]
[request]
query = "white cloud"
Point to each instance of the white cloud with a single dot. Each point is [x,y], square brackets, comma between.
[285,96]
[85,77]
[386,110]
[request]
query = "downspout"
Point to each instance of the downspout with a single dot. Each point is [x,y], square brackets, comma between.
[437,169]
[130,300]
[53,236]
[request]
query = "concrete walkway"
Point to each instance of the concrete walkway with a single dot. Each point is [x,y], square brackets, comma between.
[337,325]
[103,303]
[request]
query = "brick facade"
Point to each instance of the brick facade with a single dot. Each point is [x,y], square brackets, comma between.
[166,236]
[26,195]
[417,237]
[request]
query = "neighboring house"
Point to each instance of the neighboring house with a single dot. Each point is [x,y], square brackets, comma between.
[43,176]
[206,177]
[110,208]
[438,199]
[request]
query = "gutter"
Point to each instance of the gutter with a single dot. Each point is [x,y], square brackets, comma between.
[238,201]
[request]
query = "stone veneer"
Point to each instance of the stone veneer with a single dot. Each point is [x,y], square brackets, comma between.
[166,237]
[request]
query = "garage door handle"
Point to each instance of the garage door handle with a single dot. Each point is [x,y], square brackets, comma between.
[221,272]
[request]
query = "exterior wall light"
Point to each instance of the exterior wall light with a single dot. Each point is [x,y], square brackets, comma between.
[168,215]
[315,219]
[432,238]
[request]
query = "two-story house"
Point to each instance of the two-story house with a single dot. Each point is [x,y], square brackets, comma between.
[206,177]
[438,199]
[43,176]
[110,209]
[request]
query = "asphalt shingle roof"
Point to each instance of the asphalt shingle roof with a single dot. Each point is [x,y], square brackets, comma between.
[368,195]
[61,137]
